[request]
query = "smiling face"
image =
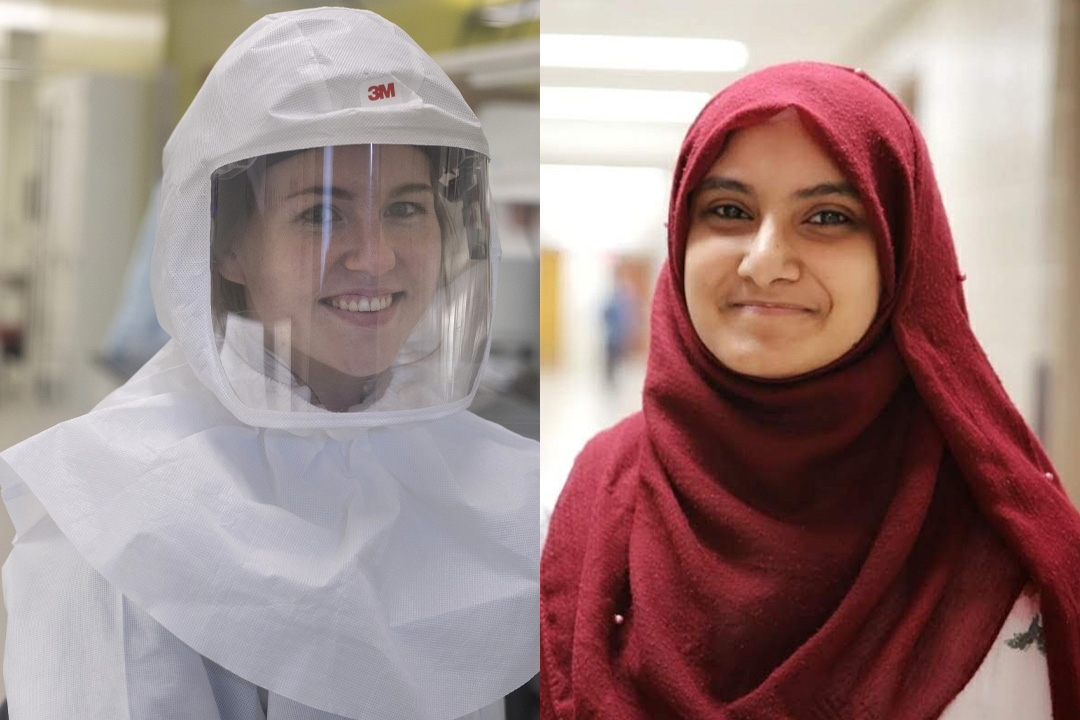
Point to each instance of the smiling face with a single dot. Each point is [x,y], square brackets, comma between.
[349,271]
[781,270]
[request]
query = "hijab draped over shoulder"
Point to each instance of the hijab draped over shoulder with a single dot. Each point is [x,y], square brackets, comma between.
[843,544]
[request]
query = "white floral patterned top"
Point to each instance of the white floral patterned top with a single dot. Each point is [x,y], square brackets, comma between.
[1013,681]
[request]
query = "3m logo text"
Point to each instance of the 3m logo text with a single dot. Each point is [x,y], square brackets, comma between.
[379,92]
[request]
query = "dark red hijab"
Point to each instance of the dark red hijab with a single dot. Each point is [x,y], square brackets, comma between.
[846,544]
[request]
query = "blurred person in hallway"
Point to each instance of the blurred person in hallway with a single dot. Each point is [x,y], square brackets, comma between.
[287,512]
[828,506]
[619,326]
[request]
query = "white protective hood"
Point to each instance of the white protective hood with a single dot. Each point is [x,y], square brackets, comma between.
[377,564]
[293,80]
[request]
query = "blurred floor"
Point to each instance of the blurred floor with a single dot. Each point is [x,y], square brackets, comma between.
[573,406]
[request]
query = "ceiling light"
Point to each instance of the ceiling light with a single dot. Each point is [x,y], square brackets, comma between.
[614,52]
[37,17]
[517,13]
[618,105]
[574,199]
[25,16]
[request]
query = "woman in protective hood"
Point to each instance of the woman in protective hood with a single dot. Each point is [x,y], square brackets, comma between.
[288,513]
[828,506]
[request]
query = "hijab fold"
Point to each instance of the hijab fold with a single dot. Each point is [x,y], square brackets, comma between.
[844,544]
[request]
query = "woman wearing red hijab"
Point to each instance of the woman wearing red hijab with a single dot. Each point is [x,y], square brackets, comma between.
[828,506]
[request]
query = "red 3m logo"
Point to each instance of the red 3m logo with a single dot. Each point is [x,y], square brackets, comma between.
[379,92]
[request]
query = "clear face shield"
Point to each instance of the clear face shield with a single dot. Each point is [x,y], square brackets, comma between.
[352,278]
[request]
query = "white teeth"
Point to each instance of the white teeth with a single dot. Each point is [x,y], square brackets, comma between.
[363,304]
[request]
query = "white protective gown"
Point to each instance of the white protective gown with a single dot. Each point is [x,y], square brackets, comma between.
[206,543]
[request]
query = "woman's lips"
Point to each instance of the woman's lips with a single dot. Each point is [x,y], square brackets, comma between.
[364,310]
[770,309]
[361,303]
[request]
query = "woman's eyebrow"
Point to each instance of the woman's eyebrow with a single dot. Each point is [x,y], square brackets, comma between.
[409,188]
[717,182]
[829,188]
[338,192]
[344,194]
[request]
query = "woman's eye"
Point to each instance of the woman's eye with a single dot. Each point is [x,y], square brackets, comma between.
[729,212]
[829,217]
[316,215]
[404,209]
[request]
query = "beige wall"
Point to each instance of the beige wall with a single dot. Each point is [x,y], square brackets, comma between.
[981,73]
[1065,250]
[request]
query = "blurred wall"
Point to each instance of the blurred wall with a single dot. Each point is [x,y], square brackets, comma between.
[979,77]
[1064,197]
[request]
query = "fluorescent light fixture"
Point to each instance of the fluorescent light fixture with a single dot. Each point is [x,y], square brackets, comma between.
[577,199]
[38,17]
[517,13]
[25,16]
[615,52]
[618,105]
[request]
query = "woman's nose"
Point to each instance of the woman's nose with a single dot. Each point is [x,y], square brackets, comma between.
[769,256]
[365,249]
